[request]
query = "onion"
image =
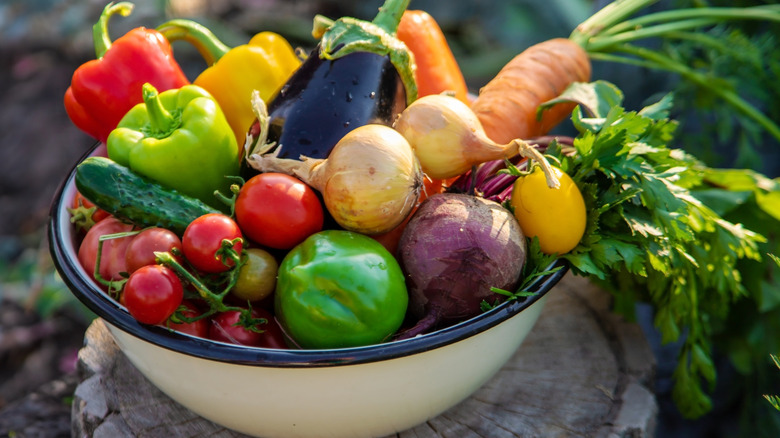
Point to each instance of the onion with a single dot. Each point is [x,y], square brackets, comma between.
[448,138]
[453,250]
[370,181]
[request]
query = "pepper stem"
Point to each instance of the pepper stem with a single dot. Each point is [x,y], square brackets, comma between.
[162,121]
[208,45]
[100,29]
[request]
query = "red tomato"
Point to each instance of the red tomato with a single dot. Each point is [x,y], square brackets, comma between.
[199,328]
[152,294]
[278,211]
[141,250]
[112,259]
[223,329]
[203,238]
[84,213]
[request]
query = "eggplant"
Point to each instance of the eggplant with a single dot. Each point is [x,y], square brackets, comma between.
[324,100]
[359,73]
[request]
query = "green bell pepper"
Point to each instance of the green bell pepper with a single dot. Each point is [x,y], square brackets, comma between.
[340,289]
[181,139]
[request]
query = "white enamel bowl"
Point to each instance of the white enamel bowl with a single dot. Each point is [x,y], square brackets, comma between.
[355,392]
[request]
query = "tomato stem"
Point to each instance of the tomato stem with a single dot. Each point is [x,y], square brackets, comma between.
[113,285]
[235,189]
[214,300]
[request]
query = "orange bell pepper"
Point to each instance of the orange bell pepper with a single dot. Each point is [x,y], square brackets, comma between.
[437,69]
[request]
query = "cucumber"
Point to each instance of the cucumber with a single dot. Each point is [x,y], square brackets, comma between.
[130,196]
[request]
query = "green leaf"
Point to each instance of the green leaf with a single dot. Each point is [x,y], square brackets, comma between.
[667,326]
[739,180]
[701,363]
[659,110]
[536,265]
[688,394]
[595,98]
[770,203]
[722,201]
[583,264]
[770,296]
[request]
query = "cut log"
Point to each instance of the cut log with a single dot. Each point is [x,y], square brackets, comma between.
[582,371]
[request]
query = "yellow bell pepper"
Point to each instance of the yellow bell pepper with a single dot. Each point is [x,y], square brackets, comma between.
[264,64]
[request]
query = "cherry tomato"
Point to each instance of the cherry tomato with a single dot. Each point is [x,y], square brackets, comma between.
[199,328]
[141,250]
[556,216]
[223,328]
[152,294]
[257,277]
[278,211]
[112,260]
[203,238]
[84,213]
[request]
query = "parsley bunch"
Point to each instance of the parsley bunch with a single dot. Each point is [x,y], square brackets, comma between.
[648,237]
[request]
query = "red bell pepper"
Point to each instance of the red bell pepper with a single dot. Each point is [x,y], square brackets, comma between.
[103,90]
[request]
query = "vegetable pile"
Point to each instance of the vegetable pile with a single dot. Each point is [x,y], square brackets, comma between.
[356,195]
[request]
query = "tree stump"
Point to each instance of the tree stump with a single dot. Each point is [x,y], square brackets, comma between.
[582,371]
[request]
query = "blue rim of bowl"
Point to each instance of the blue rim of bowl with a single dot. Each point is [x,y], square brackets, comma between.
[85,289]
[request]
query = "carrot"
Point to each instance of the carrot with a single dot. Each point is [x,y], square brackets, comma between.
[506,106]
[437,69]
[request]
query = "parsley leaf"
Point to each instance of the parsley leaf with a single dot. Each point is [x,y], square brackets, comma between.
[649,237]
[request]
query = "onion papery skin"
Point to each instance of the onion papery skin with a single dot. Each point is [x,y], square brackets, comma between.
[371,180]
[447,137]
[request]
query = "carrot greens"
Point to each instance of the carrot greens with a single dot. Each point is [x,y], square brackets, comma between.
[612,33]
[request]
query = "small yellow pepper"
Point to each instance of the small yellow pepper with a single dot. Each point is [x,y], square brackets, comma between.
[264,64]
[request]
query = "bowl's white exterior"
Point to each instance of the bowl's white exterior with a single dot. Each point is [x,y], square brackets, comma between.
[363,400]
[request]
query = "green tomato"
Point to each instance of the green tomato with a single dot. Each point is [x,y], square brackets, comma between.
[556,216]
[257,276]
[340,289]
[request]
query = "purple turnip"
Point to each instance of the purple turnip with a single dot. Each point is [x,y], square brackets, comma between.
[453,250]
